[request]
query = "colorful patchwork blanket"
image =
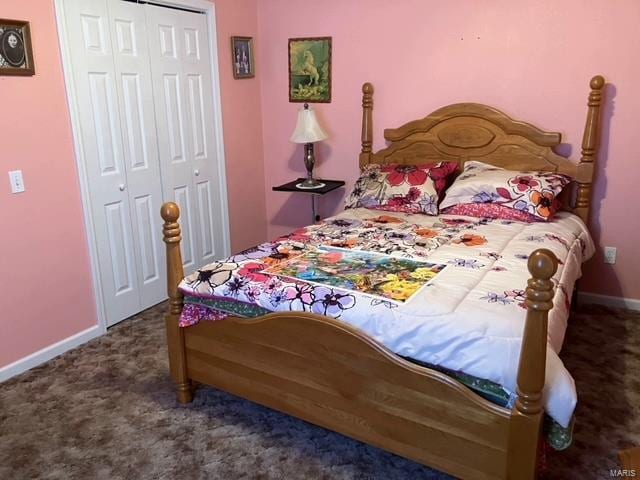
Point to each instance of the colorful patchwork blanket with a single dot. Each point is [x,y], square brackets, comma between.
[447,291]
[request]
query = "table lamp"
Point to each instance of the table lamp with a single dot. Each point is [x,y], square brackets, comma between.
[308,131]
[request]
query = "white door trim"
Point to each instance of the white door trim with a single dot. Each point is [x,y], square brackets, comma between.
[209,9]
[65,53]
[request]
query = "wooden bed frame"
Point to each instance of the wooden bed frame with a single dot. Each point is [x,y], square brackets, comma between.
[330,374]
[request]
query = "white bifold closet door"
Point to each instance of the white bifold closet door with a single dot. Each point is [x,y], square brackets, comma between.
[143,89]
[179,52]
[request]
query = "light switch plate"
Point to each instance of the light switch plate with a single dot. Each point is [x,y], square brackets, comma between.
[610,255]
[17,182]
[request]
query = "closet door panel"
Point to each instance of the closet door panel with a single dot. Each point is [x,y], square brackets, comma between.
[105,157]
[147,230]
[141,156]
[172,94]
[182,196]
[197,115]
[104,113]
[176,163]
[195,55]
[134,122]
[206,225]
[122,266]
[181,68]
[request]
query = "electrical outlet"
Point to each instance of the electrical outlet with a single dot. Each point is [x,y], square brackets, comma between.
[17,182]
[610,255]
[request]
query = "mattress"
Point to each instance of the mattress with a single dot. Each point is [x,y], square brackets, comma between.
[452,292]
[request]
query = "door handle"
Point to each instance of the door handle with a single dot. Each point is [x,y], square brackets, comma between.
[196,172]
[121,187]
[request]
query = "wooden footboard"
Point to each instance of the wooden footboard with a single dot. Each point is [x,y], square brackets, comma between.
[330,374]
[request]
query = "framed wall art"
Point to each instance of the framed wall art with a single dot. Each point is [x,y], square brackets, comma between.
[16,56]
[310,70]
[242,56]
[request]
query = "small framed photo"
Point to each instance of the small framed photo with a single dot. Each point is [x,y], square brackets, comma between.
[16,57]
[310,70]
[242,57]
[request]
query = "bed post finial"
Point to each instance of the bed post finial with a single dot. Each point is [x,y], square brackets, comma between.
[590,142]
[367,135]
[170,213]
[175,273]
[526,416]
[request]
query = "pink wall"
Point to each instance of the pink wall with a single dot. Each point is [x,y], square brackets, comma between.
[43,245]
[532,59]
[242,118]
[46,243]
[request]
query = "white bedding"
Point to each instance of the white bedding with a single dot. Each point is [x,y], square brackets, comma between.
[470,318]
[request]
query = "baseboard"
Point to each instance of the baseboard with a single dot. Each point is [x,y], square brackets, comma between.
[617,302]
[48,353]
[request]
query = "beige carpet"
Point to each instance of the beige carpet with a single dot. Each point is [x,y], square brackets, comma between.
[107,411]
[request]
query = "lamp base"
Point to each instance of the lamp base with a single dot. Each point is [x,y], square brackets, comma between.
[310,184]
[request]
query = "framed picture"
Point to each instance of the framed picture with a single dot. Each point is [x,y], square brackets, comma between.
[242,57]
[310,70]
[16,57]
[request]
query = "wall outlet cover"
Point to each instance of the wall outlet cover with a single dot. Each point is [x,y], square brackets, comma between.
[17,182]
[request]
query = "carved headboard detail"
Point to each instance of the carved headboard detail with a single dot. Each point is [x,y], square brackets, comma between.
[470,131]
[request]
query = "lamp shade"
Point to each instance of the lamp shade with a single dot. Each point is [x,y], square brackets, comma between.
[307,130]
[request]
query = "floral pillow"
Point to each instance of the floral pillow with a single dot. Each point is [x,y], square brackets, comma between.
[402,188]
[534,193]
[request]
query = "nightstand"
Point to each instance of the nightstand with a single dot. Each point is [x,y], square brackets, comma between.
[329,186]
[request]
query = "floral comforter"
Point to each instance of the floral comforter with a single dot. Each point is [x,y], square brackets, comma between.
[469,318]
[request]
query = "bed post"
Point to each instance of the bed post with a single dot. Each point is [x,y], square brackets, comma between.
[590,141]
[527,414]
[367,135]
[175,273]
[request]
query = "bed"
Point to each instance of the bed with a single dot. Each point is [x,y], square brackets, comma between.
[332,374]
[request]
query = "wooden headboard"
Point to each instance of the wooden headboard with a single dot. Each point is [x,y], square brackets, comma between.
[470,131]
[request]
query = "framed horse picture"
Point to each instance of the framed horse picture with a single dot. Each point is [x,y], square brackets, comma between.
[310,70]
[16,56]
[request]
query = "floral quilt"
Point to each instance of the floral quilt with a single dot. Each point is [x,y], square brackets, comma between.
[468,319]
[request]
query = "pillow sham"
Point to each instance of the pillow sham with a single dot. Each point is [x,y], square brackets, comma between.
[530,192]
[402,188]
